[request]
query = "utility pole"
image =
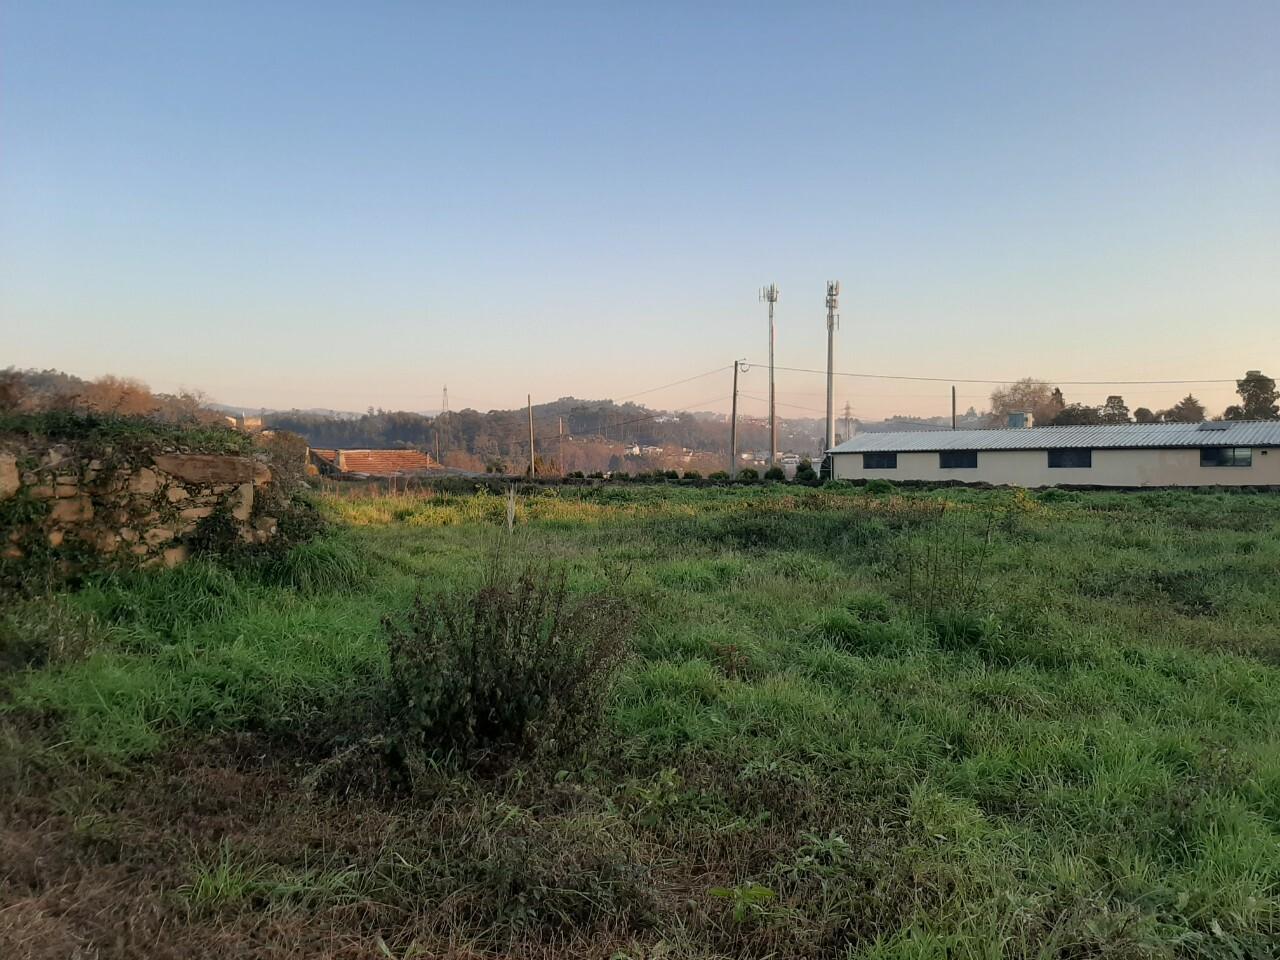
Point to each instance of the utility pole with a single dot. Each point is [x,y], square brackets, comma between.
[833,321]
[733,422]
[444,409]
[769,294]
[560,452]
[953,406]
[533,470]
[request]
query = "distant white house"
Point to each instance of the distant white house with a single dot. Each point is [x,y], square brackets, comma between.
[1218,453]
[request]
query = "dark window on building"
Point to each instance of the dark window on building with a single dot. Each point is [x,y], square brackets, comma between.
[1071,458]
[879,461]
[958,460]
[1226,456]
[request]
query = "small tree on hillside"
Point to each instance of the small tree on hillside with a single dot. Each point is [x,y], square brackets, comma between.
[122,395]
[1115,410]
[1258,396]
[1145,415]
[13,391]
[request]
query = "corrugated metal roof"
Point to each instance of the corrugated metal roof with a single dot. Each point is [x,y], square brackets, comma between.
[1240,433]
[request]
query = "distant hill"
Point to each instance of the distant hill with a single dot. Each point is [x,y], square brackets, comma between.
[233,409]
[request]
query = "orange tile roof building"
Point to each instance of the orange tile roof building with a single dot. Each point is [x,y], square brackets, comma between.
[372,463]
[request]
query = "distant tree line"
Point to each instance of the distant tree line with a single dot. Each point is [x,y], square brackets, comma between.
[466,438]
[498,436]
[1049,407]
[33,391]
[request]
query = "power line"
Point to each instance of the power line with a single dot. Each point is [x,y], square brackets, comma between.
[781,403]
[674,383]
[1066,383]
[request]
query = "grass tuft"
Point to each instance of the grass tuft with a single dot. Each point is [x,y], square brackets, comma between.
[322,566]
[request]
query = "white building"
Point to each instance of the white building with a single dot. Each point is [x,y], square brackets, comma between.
[1226,453]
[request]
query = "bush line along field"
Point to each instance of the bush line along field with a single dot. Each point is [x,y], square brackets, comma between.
[848,724]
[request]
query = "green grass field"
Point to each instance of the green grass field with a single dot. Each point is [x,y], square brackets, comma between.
[954,724]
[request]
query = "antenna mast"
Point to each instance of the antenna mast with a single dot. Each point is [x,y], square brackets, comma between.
[833,321]
[769,294]
[444,402]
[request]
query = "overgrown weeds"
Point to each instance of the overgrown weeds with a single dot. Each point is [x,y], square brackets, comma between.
[516,664]
[946,563]
[1074,758]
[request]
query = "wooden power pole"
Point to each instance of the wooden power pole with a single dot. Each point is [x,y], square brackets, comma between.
[733,425]
[533,470]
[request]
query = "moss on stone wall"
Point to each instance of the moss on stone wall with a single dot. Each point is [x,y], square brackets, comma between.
[85,492]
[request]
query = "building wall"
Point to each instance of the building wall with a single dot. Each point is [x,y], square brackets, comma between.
[1116,468]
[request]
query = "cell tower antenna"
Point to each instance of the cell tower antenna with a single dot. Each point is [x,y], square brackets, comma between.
[444,402]
[769,295]
[833,323]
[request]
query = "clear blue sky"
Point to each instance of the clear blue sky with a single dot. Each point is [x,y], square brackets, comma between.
[353,204]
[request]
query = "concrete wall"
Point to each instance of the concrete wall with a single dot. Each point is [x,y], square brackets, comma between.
[1115,468]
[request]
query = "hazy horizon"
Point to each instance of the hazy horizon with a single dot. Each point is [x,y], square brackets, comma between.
[340,207]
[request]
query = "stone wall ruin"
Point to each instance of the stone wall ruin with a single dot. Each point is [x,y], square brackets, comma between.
[124,505]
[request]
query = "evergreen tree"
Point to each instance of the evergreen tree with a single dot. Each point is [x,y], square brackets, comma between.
[1115,411]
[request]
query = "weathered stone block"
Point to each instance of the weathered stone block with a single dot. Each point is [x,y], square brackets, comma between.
[107,541]
[175,555]
[9,479]
[144,481]
[55,538]
[57,454]
[158,535]
[66,489]
[128,534]
[196,513]
[42,491]
[242,502]
[174,494]
[12,552]
[72,510]
[209,468]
